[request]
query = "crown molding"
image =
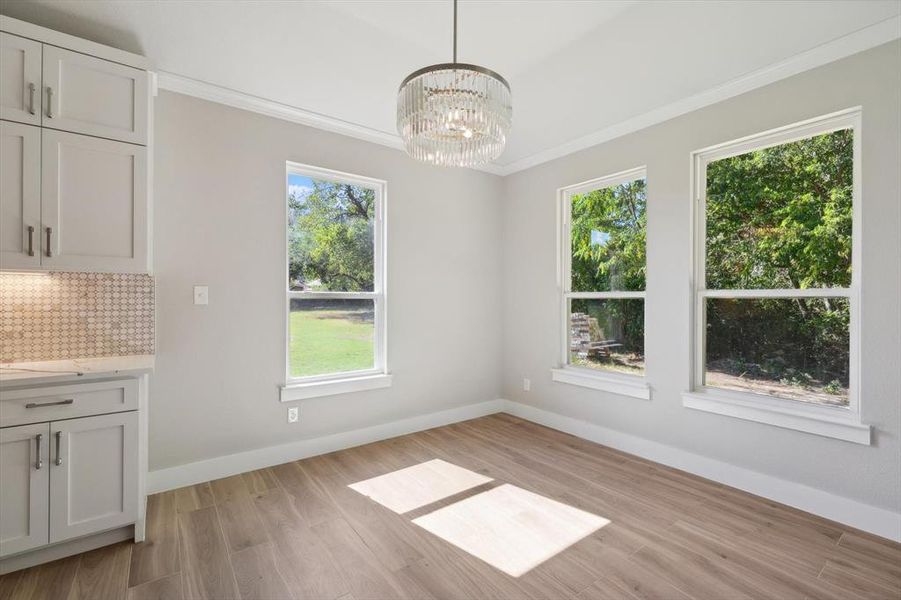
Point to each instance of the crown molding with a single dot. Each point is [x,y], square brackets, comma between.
[286,112]
[858,41]
[852,43]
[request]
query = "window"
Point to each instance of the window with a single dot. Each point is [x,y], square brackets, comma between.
[335,281]
[776,290]
[603,264]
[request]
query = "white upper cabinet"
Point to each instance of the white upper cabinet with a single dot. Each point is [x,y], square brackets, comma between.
[20,196]
[20,79]
[96,97]
[24,501]
[94,204]
[93,484]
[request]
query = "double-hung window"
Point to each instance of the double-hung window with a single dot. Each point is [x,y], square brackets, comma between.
[603,266]
[776,282]
[335,283]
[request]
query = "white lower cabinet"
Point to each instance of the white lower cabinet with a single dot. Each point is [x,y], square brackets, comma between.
[24,487]
[93,474]
[67,478]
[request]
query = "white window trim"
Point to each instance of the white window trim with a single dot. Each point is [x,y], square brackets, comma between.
[298,388]
[625,384]
[836,422]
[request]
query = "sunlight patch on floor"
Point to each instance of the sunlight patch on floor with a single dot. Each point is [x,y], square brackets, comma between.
[411,488]
[510,528]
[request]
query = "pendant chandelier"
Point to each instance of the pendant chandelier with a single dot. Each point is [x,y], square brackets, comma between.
[454,114]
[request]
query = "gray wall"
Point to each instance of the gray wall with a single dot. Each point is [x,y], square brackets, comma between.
[531,329]
[219,220]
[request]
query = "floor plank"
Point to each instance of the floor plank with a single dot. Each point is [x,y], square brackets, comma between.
[49,581]
[207,570]
[257,575]
[164,588]
[102,573]
[194,497]
[157,555]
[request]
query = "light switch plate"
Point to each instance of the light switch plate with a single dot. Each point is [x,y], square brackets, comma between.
[293,414]
[526,385]
[201,294]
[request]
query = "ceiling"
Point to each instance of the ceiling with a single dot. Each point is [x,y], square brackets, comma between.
[576,67]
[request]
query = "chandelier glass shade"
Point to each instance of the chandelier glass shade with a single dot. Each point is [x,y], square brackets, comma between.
[454,114]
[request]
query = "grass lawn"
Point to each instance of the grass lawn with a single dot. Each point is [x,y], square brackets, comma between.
[329,341]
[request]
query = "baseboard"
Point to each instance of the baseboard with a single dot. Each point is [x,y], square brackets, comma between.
[879,521]
[233,464]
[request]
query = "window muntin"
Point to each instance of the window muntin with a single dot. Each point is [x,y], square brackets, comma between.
[776,298]
[604,267]
[335,275]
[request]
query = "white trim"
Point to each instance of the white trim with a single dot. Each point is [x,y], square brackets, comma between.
[806,417]
[570,374]
[840,425]
[304,387]
[242,462]
[852,43]
[623,384]
[331,387]
[879,521]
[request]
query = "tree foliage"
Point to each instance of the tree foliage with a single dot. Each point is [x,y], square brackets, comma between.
[330,236]
[781,217]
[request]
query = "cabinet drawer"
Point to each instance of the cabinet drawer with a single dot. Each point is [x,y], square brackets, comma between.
[19,406]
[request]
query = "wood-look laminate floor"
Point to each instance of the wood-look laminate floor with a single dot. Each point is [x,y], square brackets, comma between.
[298,531]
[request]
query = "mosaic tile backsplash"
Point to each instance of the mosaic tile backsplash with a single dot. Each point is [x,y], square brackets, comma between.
[60,316]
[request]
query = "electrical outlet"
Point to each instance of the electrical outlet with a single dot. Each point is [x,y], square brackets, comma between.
[293,414]
[526,385]
[201,294]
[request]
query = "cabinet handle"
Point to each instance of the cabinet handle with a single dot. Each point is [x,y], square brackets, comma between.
[31,240]
[49,251]
[55,403]
[37,444]
[59,458]
[31,98]
[49,102]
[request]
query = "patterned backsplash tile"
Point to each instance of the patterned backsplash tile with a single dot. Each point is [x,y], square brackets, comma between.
[59,316]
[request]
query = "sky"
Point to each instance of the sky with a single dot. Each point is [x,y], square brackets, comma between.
[299,184]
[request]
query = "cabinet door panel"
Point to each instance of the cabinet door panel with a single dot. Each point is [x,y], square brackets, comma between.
[20,79]
[94,199]
[24,487]
[94,486]
[20,196]
[89,95]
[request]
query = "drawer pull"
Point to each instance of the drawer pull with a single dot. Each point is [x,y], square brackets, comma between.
[49,102]
[37,444]
[49,251]
[57,403]
[59,458]
[31,240]
[31,98]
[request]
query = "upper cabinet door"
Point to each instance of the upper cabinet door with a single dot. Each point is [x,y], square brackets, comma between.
[20,79]
[93,474]
[24,495]
[93,204]
[20,196]
[96,97]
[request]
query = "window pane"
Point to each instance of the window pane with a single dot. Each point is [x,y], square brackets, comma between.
[331,336]
[780,217]
[796,348]
[608,239]
[330,236]
[607,334]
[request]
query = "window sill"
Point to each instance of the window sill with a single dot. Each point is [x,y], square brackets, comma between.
[807,419]
[302,391]
[617,383]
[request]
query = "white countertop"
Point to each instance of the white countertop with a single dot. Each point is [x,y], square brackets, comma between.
[52,370]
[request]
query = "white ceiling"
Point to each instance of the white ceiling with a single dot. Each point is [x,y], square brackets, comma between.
[576,67]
